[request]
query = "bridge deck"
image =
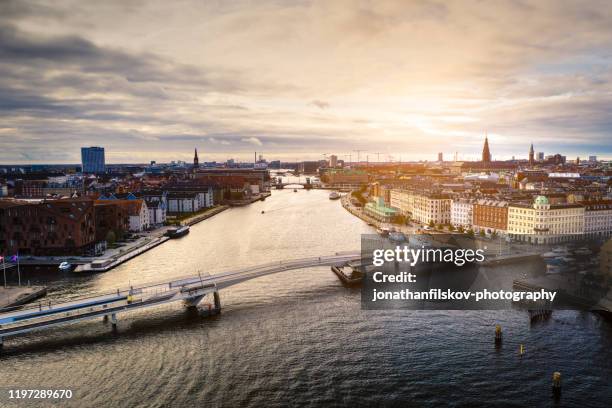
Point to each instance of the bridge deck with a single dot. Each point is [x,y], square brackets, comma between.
[42,315]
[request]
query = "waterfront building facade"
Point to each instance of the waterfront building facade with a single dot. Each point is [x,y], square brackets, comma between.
[545,223]
[139,216]
[55,227]
[490,216]
[379,211]
[597,218]
[462,212]
[422,207]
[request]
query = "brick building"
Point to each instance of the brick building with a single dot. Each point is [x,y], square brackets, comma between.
[46,228]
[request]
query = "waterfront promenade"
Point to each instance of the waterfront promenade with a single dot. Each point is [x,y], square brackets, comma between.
[18,295]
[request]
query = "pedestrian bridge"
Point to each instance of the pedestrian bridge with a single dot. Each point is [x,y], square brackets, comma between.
[190,290]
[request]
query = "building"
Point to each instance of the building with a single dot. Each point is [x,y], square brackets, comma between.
[157,212]
[54,227]
[112,219]
[342,177]
[544,223]
[461,212]
[490,216]
[422,207]
[540,156]
[308,167]
[196,160]
[333,161]
[183,202]
[92,159]
[440,157]
[486,153]
[592,159]
[531,156]
[597,218]
[139,216]
[379,211]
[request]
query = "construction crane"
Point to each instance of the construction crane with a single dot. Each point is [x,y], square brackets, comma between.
[358,152]
[377,156]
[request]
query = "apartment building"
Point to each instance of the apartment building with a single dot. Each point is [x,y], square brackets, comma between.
[545,223]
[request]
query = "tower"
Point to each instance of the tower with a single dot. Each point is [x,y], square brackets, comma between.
[531,155]
[486,154]
[196,161]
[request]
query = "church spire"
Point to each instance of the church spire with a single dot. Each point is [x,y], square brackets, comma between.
[196,161]
[486,153]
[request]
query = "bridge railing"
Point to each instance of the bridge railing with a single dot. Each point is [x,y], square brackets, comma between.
[163,287]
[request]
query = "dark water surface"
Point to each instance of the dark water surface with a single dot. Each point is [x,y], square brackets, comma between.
[300,338]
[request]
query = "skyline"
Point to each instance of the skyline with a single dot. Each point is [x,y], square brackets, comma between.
[151,81]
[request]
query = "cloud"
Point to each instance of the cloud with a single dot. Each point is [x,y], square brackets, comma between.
[320,104]
[252,140]
[221,75]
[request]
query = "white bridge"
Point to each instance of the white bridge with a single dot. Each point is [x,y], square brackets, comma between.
[191,290]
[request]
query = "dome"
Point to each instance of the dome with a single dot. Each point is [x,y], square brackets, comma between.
[541,200]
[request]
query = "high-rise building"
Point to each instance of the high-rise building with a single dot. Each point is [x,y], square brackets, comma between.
[333,160]
[486,153]
[592,159]
[540,156]
[440,157]
[531,158]
[92,159]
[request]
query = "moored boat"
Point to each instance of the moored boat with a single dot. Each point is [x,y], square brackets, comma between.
[178,232]
[334,195]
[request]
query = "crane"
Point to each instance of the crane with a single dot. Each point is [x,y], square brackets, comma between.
[358,152]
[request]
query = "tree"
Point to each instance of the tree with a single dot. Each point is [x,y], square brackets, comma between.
[431,224]
[440,227]
[494,234]
[450,227]
[482,233]
[470,232]
[111,237]
[460,229]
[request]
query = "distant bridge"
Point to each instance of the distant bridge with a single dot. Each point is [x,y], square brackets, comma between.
[190,290]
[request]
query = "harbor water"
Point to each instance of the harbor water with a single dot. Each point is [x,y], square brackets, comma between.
[299,338]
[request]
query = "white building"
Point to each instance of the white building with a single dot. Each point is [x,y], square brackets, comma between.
[543,223]
[139,216]
[598,219]
[461,212]
[422,207]
[183,202]
[157,212]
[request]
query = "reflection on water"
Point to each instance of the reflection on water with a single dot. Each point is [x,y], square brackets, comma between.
[300,338]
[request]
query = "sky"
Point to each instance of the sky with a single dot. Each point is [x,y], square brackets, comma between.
[298,80]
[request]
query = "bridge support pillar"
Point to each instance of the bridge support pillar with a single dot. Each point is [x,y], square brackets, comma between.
[114,321]
[217,302]
[1,342]
[193,302]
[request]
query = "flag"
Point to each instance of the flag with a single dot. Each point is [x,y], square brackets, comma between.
[1,258]
[15,258]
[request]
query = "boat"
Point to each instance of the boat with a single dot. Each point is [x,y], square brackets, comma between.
[65,266]
[334,195]
[178,232]
[295,190]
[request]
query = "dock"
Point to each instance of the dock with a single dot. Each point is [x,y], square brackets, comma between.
[103,265]
[19,295]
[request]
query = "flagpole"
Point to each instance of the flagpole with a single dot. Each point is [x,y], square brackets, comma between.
[18,272]
[4,268]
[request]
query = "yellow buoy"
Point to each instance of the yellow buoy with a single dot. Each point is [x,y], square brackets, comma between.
[521,350]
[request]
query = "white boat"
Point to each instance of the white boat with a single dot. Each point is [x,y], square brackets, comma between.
[334,195]
[64,266]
